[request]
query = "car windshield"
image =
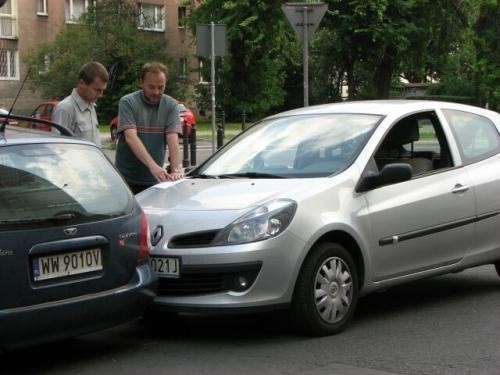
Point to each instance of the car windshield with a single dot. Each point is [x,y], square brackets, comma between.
[40,183]
[293,147]
[182,107]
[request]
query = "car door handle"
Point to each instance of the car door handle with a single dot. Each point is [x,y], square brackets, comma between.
[458,189]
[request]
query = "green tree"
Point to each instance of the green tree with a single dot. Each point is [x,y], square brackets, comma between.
[373,41]
[99,35]
[487,47]
[250,78]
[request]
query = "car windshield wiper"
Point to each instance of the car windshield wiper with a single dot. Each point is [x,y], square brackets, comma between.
[57,217]
[201,175]
[250,175]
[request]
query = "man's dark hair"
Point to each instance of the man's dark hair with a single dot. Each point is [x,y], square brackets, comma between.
[91,71]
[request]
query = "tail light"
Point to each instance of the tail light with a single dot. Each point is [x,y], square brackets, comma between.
[145,239]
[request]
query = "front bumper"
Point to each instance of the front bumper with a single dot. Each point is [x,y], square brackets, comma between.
[247,277]
[56,320]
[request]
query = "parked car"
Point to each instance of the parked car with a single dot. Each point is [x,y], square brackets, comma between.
[3,115]
[310,209]
[187,117]
[43,112]
[74,243]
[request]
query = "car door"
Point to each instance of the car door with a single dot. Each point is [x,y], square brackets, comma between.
[425,222]
[478,141]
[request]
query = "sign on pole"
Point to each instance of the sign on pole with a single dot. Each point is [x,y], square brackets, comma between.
[211,41]
[305,18]
[203,40]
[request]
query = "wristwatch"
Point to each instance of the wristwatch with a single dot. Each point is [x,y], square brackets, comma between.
[178,170]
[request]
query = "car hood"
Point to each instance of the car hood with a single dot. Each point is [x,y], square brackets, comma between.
[214,194]
[194,205]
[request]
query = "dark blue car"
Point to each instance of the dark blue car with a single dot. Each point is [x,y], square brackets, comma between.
[74,243]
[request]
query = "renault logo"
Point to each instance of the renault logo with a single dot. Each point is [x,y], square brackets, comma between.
[70,231]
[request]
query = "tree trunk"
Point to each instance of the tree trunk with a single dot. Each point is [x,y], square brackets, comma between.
[383,76]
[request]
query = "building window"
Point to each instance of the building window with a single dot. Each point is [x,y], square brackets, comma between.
[181,17]
[203,73]
[151,17]
[9,64]
[183,67]
[41,7]
[75,8]
[45,65]
[8,20]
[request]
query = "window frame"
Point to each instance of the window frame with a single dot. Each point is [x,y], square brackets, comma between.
[43,5]
[9,17]
[183,67]
[181,16]
[70,13]
[158,9]
[8,68]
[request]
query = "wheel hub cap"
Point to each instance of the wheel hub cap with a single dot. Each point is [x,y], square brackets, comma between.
[333,290]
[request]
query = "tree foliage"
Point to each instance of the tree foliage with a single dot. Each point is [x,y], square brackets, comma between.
[250,78]
[107,33]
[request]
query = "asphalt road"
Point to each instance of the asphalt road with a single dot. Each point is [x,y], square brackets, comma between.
[443,325]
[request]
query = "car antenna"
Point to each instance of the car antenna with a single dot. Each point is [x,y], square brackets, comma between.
[6,119]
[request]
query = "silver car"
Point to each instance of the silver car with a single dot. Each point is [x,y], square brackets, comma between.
[310,209]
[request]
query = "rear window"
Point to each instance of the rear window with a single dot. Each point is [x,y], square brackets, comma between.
[42,184]
[477,135]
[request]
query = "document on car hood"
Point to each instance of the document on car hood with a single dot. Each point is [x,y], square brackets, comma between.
[168,184]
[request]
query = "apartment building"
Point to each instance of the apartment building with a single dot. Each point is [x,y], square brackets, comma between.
[25,24]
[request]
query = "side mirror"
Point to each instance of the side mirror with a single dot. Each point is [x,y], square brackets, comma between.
[390,174]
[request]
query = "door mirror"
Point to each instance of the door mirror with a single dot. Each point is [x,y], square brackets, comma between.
[390,174]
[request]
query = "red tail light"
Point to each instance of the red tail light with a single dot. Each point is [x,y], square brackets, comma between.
[145,239]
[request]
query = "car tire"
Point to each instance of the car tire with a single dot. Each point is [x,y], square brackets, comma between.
[497,267]
[326,292]
[114,133]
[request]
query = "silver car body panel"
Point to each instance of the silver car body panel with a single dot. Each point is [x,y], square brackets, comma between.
[404,231]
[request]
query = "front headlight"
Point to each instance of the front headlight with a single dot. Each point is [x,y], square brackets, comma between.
[263,222]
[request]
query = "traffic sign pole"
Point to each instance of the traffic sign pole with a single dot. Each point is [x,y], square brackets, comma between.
[305,57]
[304,18]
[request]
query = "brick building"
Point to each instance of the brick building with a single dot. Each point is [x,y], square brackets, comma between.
[25,24]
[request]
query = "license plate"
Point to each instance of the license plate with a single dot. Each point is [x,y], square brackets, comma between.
[165,266]
[60,265]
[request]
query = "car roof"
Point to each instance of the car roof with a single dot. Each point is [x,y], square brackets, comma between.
[16,135]
[383,107]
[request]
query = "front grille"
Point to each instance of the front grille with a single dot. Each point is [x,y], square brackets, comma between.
[195,239]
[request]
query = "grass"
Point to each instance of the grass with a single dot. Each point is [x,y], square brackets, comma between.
[204,130]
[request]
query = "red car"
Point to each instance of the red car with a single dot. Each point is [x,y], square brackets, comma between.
[186,115]
[43,112]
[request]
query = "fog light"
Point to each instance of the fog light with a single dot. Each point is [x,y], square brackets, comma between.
[242,282]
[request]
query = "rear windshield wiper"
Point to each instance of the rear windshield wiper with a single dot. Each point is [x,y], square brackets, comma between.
[250,175]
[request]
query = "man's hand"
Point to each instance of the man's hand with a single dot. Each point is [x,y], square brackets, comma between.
[159,173]
[175,176]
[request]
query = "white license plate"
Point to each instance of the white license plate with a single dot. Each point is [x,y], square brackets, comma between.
[165,266]
[60,265]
